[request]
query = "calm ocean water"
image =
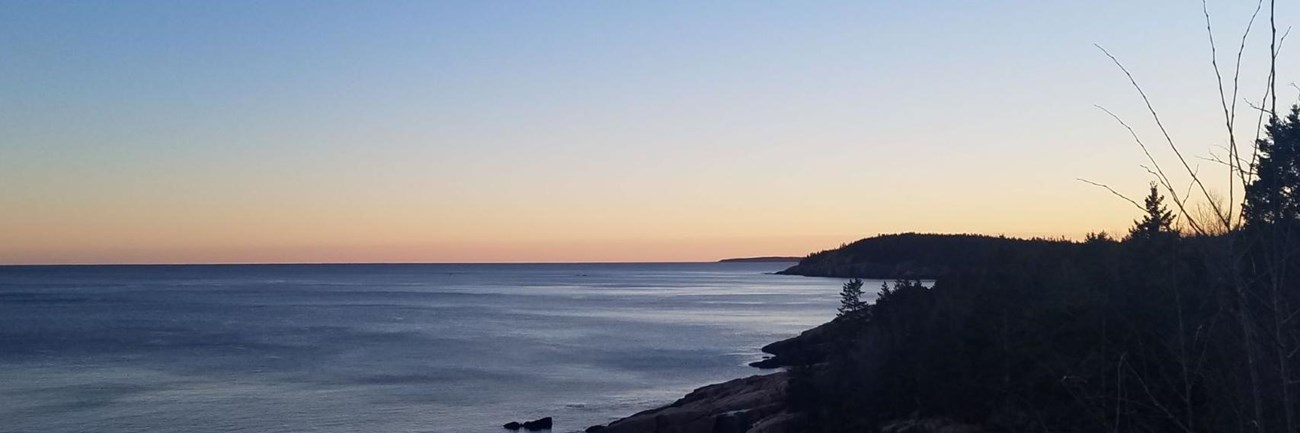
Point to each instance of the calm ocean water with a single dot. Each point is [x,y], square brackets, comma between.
[380,348]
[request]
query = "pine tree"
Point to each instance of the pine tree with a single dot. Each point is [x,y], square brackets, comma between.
[851,302]
[1158,221]
[1271,196]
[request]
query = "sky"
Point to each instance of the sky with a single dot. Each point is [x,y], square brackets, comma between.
[574,131]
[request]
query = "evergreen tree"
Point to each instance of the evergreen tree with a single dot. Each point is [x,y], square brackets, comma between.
[1158,221]
[1097,237]
[1271,196]
[851,302]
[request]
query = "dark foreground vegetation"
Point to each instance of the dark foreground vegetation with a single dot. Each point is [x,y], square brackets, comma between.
[1160,331]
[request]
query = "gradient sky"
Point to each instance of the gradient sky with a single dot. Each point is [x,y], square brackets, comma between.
[441,131]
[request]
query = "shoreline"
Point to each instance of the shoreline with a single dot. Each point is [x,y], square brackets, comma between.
[753,404]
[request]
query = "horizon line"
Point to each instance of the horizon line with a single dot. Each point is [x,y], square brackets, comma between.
[4,265]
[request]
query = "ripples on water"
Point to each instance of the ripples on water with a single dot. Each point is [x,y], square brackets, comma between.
[379,348]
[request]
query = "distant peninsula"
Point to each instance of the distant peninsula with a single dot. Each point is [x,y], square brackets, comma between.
[761,259]
[910,255]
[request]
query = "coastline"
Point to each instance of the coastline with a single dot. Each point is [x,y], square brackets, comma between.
[753,404]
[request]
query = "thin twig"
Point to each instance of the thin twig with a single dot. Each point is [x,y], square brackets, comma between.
[1112,191]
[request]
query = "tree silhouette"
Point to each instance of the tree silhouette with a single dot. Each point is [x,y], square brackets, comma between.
[1158,221]
[851,303]
[1271,197]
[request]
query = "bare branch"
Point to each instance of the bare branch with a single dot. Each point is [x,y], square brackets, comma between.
[1217,160]
[1156,116]
[1188,193]
[1158,172]
[1259,108]
[1112,191]
[1272,52]
[1230,109]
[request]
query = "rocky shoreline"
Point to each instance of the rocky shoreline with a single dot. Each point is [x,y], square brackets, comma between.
[807,348]
[755,404]
[758,404]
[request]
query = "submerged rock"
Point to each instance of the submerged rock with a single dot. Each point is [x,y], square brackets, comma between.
[513,425]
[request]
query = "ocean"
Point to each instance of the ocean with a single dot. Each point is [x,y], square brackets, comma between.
[380,348]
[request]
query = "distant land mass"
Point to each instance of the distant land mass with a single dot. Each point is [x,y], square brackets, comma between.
[760,259]
[908,256]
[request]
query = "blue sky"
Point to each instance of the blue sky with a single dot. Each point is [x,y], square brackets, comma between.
[561,131]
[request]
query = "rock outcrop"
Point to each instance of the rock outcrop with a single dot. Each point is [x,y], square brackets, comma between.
[752,404]
[535,425]
[541,424]
[810,347]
